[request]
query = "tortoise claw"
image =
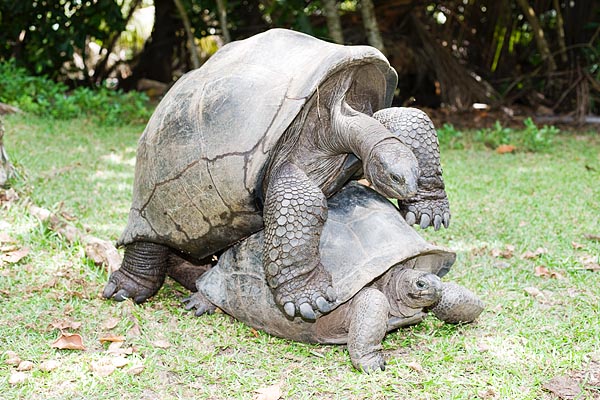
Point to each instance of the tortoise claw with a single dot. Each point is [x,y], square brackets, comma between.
[437,222]
[290,309]
[446,220]
[425,221]
[411,218]
[307,312]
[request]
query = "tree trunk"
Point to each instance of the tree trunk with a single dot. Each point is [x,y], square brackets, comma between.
[370,23]
[538,34]
[156,60]
[334,24]
[222,9]
[191,43]
[6,168]
[560,28]
[100,70]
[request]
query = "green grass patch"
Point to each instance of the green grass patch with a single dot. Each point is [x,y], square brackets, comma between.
[504,205]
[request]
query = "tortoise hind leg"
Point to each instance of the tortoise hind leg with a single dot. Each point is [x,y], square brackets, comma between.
[142,272]
[368,324]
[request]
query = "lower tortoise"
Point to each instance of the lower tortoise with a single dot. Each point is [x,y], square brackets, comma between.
[385,274]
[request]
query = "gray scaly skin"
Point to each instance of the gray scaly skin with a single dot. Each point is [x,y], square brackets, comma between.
[415,129]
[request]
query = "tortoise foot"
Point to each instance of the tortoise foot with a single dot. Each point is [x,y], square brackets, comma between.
[309,295]
[141,275]
[428,212]
[372,362]
[200,303]
[122,285]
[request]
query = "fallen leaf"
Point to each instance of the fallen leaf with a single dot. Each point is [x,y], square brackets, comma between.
[5,238]
[254,332]
[49,365]
[14,256]
[507,252]
[591,236]
[101,369]
[66,324]
[135,370]
[69,341]
[577,245]
[505,148]
[112,338]
[542,271]
[116,348]
[12,358]
[534,254]
[9,195]
[564,387]
[25,366]
[107,365]
[103,252]
[161,344]
[592,267]
[533,291]
[17,377]
[111,323]
[272,392]
[415,366]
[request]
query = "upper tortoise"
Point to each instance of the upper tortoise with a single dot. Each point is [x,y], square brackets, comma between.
[261,135]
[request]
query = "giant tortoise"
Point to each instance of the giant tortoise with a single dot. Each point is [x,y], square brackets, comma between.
[261,135]
[384,274]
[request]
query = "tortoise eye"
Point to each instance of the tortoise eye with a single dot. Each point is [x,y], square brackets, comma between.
[421,284]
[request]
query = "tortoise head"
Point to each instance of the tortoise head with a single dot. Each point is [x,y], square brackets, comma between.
[392,169]
[414,289]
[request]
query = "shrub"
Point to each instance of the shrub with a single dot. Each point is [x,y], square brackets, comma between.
[42,96]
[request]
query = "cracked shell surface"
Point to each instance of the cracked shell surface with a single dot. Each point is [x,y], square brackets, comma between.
[201,157]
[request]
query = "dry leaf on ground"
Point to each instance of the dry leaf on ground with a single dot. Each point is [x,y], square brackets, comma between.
[161,344]
[272,392]
[111,323]
[564,387]
[12,358]
[107,365]
[49,365]
[415,366]
[5,238]
[534,254]
[17,377]
[14,256]
[112,338]
[102,252]
[591,236]
[25,366]
[68,341]
[66,324]
[542,271]
[507,252]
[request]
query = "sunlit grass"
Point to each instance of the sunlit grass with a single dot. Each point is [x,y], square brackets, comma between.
[502,205]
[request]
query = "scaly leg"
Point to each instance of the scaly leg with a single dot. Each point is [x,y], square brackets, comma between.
[294,214]
[141,274]
[414,128]
[368,322]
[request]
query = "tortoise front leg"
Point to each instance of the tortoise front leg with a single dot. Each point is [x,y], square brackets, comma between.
[141,274]
[429,207]
[294,214]
[368,324]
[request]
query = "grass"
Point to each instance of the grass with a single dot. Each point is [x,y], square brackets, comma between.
[503,206]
